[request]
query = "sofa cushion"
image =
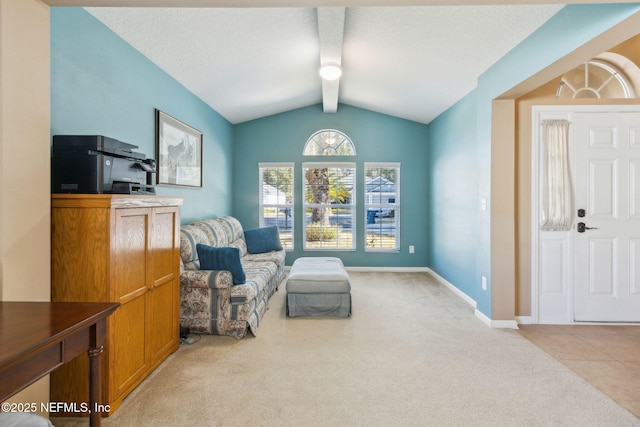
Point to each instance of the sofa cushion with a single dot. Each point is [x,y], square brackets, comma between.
[227,258]
[190,236]
[258,276]
[261,240]
[223,232]
[212,228]
[276,257]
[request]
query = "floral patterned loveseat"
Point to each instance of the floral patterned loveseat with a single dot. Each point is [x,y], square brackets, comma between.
[210,302]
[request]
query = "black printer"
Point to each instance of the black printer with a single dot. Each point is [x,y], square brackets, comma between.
[94,164]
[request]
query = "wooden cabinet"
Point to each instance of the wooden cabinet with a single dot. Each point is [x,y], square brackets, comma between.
[118,248]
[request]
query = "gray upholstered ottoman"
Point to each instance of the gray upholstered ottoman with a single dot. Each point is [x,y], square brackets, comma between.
[318,286]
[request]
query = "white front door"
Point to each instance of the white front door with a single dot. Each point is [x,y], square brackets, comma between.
[607,189]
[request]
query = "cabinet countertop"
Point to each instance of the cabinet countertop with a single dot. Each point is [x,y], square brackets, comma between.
[64,200]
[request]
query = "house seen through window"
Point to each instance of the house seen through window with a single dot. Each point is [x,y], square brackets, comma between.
[276,199]
[382,206]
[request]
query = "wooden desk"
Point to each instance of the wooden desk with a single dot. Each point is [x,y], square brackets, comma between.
[37,337]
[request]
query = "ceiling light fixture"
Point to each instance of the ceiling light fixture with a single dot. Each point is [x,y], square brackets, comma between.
[330,71]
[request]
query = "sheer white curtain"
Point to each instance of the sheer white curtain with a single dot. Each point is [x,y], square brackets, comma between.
[557,195]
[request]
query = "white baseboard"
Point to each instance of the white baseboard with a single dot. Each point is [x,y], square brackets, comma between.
[466,298]
[497,324]
[387,269]
[573,322]
[524,320]
[480,315]
[391,269]
[504,324]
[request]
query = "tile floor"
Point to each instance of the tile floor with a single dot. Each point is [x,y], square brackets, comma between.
[606,356]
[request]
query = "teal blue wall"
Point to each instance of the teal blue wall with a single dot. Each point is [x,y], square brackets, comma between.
[377,138]
[570,28]
[100,85]
[453,195]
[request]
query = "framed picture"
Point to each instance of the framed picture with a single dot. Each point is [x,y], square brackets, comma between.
[179,152]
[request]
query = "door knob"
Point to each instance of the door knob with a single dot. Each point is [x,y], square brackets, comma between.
[582,227]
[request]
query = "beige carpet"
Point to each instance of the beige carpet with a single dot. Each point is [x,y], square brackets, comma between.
[412,354]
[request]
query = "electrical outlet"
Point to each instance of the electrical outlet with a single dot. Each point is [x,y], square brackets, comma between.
[484,283]
[412,249]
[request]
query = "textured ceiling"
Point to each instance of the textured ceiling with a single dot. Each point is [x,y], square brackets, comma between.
[246,63]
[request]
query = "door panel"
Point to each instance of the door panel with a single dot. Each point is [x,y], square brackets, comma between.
[634,181]
[602,267]
[602,180]
[634,271]
[606,161]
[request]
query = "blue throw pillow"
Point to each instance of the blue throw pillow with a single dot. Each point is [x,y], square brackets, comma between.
[260,240]
[212,258]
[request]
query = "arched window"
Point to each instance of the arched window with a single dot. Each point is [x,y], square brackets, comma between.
[596,78]
[329,193]
[329,142]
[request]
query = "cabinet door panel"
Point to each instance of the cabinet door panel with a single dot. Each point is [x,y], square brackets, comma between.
[79,254]
[128,360]
[130,250]
[162,252]
[164,296]
[163,328]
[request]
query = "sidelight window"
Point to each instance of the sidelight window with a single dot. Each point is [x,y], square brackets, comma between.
[276,199]
[382,207]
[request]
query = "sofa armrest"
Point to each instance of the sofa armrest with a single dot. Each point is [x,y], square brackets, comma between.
[214,279]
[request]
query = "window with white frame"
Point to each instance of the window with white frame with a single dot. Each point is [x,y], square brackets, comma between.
[276,201]
[329,206]
[329,142]
[382,207]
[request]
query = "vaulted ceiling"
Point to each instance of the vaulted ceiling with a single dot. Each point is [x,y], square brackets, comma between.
[410,61]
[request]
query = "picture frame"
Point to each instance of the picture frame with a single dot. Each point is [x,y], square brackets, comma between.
[178,153]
